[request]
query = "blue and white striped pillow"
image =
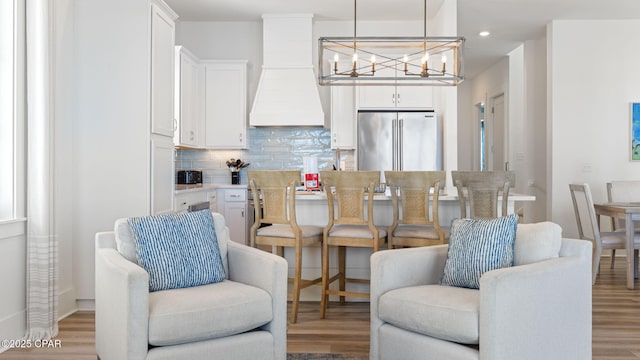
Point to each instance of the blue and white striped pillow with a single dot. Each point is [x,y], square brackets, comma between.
[178,250]
[477,246]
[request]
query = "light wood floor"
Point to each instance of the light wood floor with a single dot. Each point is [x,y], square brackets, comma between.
[616,326]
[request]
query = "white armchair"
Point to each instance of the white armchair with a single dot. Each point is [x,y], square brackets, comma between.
[243,317]
[539,310]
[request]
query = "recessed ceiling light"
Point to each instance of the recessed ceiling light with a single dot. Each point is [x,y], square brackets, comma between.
[484,33]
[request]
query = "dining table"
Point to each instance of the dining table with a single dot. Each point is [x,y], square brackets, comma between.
[630,212]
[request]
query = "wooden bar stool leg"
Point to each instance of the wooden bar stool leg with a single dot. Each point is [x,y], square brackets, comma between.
[325,279]
[613,257]
[342,269]
[296,284]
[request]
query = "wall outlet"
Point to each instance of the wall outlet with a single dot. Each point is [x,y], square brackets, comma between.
[587,168]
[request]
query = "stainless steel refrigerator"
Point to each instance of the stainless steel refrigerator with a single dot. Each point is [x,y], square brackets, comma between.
[392,140]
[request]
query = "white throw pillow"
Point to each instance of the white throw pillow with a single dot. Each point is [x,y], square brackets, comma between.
[537,242]
[124,240]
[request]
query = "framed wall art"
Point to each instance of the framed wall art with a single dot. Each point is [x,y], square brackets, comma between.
[635,131]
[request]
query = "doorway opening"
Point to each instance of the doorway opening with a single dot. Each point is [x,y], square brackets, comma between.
[479,111]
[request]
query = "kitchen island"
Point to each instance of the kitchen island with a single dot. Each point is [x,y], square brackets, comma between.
[311,209]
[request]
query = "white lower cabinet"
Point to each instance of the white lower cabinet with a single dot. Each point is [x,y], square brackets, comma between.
[235,214]
[232,203]
[183,201]
[162,174]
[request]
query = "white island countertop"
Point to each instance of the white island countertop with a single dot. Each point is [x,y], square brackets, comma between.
[446,196]
[182,189]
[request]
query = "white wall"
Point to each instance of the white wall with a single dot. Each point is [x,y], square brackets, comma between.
[13,267]
[111,125]
[592,86]
[534,130]
[466,136]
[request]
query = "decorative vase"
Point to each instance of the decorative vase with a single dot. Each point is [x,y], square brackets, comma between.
[235,177]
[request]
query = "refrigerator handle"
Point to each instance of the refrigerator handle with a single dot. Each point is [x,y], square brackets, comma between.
[400,144]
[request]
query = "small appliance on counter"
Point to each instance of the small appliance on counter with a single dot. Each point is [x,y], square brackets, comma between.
[189,177]
[311,181]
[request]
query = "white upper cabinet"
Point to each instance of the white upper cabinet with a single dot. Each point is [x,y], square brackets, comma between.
[189,103]
[225,104]
[343,117]
[395,97]
[162,70]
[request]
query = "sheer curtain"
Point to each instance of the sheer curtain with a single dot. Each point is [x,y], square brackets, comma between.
[42,247]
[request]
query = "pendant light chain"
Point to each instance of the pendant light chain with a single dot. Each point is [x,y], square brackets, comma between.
[411,69]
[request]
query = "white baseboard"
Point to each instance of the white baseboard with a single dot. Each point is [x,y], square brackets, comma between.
[13,327]
[86,304]
[66,303]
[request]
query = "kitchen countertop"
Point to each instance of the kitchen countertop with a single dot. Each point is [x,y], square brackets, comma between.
[182,189]
[320,195]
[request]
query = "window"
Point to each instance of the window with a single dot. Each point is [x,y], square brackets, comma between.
[11,109]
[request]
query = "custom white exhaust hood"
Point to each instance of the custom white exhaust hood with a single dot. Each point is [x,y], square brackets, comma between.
[287,93]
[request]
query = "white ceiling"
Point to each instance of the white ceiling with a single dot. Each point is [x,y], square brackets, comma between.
[509,21]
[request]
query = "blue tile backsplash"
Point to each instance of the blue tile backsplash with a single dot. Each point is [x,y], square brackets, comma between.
[269,149]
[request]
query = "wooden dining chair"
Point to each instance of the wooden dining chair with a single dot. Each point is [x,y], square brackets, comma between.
[350,225]
[276,226]
[622,191]
[481,190]
[589,229]
[413,223]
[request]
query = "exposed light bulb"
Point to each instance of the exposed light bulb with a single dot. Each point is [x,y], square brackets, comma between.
[444,59]
[336,57]
[373,59]
[405,58]
[425,58]
[484,33]
[355,57]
